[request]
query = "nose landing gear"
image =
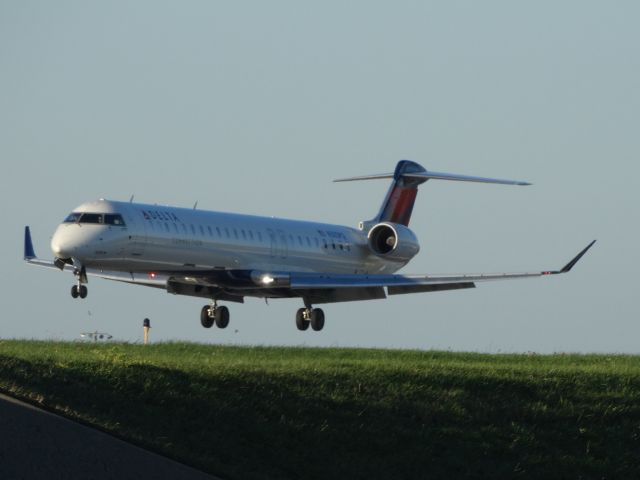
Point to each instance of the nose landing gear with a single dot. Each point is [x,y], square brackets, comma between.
[80,290]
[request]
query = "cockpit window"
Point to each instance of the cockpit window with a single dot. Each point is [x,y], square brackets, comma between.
[73,217]
[91,218]
[96,218]
[114,219]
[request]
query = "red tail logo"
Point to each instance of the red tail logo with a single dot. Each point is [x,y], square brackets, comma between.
[398,205]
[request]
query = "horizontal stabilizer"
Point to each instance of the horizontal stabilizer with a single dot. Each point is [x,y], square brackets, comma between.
[436,176]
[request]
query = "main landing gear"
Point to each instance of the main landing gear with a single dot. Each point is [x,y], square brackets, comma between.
[305,317]
[211,314]
[310,316]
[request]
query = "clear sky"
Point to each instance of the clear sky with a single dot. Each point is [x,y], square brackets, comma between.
[255,107]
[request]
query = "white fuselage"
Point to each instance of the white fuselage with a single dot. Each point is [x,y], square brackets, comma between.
[154,237]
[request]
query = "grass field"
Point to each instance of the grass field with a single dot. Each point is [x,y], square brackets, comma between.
[284,413]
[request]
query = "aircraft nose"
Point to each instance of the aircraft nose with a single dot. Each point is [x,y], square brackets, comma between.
[63,245]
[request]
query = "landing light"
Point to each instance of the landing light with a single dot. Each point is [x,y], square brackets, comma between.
[268,279]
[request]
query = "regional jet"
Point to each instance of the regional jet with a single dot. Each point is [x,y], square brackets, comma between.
[225,257]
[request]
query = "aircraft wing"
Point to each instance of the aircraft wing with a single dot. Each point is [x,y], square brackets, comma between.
[234,285]
[329,287]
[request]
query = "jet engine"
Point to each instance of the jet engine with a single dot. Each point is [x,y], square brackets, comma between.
[393,242]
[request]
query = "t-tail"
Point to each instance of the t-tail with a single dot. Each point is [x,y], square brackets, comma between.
[398,204]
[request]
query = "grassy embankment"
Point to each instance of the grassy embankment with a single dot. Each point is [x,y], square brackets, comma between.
[267,413]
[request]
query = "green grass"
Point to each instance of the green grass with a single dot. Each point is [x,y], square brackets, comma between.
[280,413]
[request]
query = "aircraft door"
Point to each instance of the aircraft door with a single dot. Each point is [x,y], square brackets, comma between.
[136,234]
[278,244]
[284,248]
[273,243]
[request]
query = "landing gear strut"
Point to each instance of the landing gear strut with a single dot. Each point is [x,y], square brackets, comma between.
[80,290]
[211,314]
[310,316]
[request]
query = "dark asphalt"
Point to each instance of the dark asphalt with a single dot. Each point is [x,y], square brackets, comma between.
[35,444]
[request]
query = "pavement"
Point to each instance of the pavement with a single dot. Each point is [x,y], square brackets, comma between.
[36,444]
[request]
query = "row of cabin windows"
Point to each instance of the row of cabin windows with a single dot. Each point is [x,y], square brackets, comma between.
[249,235]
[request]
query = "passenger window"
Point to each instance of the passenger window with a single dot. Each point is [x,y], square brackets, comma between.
[250,234]
[201,230]
[260,236]
[308,242]
[210,231]
[193,229]
[218,231]
[166,227]
[235,233]
[244,235]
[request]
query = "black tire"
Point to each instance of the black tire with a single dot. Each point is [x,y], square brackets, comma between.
[74,291]
[222,317]
[301,322]
[83,291]
[317,319]
[205,319]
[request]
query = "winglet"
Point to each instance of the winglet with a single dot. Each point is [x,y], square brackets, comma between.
[29,253]
[575,260]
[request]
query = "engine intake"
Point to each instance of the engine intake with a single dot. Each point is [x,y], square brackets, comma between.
[393,241]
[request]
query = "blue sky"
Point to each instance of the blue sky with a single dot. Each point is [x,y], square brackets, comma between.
[255,107]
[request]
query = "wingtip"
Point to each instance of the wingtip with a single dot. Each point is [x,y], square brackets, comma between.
[29,252]
[576,259]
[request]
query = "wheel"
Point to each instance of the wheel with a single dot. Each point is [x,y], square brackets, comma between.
[317,319]
[205,319]
[74,291]
[222,317]
[301,322]
[83,291]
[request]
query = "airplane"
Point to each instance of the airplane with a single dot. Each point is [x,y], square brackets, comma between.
[225,257]
[95,336]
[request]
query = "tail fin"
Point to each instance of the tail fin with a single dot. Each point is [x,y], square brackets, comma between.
[398,204]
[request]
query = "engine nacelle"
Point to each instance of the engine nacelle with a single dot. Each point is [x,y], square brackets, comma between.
[393,242]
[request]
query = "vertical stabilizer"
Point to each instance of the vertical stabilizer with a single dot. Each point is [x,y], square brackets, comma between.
[398,204]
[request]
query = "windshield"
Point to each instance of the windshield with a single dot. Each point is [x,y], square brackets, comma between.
[72,217]
[95,218]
